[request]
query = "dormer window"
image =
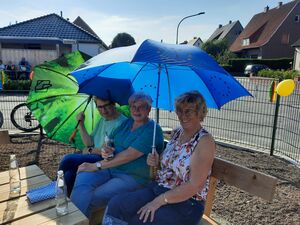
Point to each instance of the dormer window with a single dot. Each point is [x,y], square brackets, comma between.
[245,42]
[297,18]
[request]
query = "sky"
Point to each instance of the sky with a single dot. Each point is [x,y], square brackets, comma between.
[142,19]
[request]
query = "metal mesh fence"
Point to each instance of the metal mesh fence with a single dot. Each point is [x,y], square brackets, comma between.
[249,121]
[246,122]
[9,100]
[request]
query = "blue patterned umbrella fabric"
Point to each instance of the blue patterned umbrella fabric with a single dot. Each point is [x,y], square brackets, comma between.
[164,71]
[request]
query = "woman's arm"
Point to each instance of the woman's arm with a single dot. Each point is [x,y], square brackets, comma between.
[201,163]
[86,138]
[121,158]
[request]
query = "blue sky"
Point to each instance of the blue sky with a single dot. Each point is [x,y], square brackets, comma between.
[154,19]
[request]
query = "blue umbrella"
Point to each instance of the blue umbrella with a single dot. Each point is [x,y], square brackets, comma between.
[164,71]
[117,90]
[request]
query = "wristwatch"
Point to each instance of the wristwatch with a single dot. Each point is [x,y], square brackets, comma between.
[98,164]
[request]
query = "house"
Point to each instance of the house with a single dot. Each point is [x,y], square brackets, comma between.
[228,32]
[296,64]
[196,41]
[271,33]
[46,38]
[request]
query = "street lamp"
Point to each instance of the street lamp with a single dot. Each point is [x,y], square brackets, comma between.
[200,13]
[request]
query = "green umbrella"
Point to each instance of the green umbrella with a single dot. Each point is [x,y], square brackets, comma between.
[54,101]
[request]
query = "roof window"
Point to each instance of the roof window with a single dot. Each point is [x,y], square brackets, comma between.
[245,42]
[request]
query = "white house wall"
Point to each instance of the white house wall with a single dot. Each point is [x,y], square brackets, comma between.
[297,59]
[34,57]
[90,49]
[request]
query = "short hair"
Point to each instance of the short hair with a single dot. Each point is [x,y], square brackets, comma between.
[193,97]
[140,96]
[102,99]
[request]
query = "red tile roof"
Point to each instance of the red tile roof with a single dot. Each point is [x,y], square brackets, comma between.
[262,26]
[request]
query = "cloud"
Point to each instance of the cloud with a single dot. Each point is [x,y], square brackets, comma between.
[107,26]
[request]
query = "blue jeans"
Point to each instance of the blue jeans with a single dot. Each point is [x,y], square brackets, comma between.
[93,190]
[122,209]
[69,164]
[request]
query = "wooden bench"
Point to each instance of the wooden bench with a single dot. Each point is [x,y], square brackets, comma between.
[248,180]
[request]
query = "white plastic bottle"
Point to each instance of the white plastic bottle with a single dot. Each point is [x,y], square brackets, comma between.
[14,176]
[61,194]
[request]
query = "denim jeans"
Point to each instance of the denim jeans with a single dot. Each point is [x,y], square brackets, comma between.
[93,190]
[69,164]
[122,209]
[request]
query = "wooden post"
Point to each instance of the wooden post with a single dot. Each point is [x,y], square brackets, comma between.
[4,137]
[210,196]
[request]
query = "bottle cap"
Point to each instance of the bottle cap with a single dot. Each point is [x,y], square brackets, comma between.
[60,172]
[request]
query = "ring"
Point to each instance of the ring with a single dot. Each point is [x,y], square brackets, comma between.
[148,211]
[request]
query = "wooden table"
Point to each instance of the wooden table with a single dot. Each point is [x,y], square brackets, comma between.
[18,210]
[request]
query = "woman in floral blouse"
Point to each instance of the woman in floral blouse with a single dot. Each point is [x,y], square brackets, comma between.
[179,192]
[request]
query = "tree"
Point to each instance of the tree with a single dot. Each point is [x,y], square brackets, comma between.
[215,48]
[219,50]
[122,39]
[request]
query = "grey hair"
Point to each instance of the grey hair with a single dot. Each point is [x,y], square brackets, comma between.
[140,96]
[193,97]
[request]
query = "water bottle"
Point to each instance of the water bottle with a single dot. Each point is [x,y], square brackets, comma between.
[14,176]
[110,143]
[61,194]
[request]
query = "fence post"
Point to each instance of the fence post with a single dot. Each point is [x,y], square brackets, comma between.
[275,122]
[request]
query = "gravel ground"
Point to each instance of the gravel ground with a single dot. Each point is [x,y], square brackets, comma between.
[230,205]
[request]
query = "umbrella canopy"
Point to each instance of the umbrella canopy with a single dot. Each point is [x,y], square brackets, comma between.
[54,101]
[164,71]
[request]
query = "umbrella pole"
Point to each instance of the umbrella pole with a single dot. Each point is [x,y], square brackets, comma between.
[153,169]
[72,136]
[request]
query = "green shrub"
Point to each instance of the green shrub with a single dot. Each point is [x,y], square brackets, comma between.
[17,85]
[279,74]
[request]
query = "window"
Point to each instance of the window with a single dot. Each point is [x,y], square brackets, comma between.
[297,18]
[246,42]
[285,39]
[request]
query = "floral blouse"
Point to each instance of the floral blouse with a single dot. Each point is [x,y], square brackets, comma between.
[175,163]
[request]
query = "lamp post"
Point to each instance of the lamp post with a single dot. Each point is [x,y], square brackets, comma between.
[200,13]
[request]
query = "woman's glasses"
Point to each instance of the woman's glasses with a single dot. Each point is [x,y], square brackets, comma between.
[138,108]
[105,106]
[185,112]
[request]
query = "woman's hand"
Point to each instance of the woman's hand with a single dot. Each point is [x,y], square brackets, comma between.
[107,152]
[80,117]
[148,210]
[97,151]
[87,167]
[153,159]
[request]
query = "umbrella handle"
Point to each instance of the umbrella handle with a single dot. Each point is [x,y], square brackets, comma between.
[72,136]
[153,172]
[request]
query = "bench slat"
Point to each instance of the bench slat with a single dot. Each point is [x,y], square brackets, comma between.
[246,179]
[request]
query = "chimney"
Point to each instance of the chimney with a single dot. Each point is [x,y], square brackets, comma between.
[230,21]
[195,37]
[220,25]
[279,5]
[266,9]
[61,14]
